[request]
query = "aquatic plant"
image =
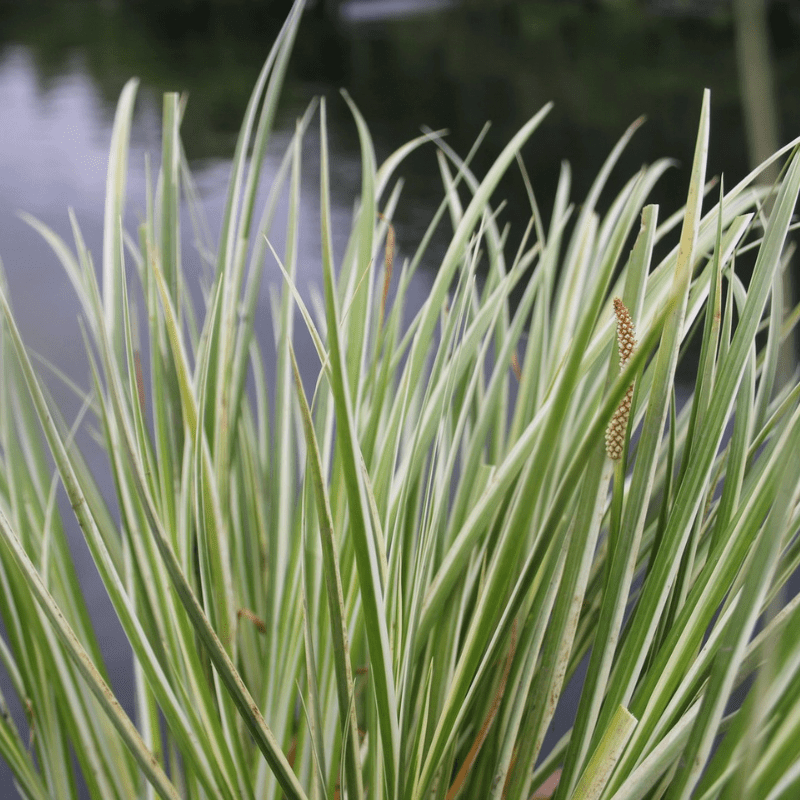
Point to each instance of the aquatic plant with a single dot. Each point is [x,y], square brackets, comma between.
[373,575]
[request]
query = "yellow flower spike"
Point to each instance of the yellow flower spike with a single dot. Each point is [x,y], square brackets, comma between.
[626,339]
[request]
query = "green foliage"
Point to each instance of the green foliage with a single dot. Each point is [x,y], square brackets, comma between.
[380,588]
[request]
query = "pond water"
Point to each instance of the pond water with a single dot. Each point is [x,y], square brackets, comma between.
[62,67]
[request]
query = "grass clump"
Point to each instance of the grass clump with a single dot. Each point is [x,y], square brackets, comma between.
[379,588]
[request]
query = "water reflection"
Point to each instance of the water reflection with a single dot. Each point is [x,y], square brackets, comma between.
[453,68]
[358,11]
[53,154]
[54,138]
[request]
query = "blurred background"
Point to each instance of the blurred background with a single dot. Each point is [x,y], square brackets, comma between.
[445,64]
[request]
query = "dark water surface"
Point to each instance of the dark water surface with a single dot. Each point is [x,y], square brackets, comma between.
[63,65]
